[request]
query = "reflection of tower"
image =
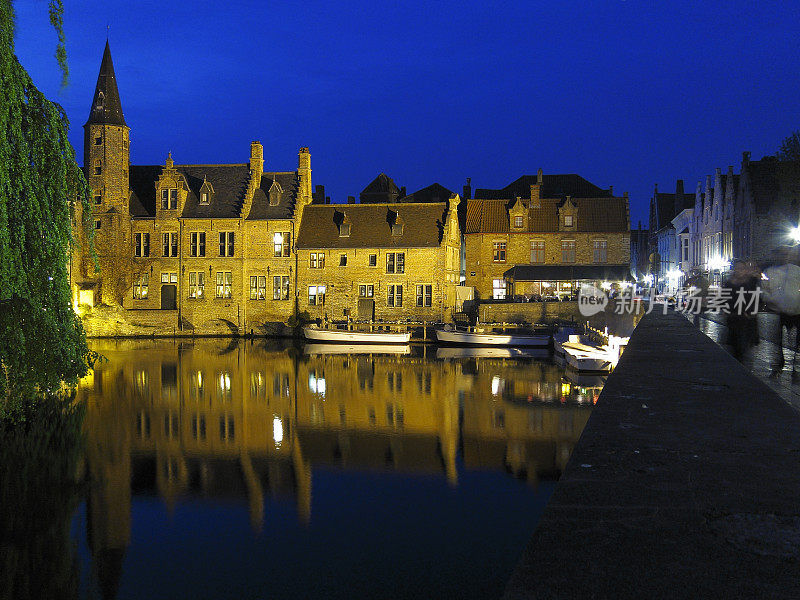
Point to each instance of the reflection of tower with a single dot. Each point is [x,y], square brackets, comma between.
[109,499]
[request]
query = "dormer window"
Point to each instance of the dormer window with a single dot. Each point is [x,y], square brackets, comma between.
[568,221]
[518,222]
[100,99]
[169,198]
[275,192]
[206,191]
[344,230]
[397,229]
[204,198]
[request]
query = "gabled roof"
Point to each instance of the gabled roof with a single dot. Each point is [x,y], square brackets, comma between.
[230,185]
[594,214]
[106,106]
[438,193]
[665,205]
[371,225]
[553,186]
[287,182]
[381,189]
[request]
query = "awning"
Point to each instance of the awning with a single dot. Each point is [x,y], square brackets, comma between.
[569,273]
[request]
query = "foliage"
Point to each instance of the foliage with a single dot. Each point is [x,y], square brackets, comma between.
[39,182]
[790,147]
[299,319]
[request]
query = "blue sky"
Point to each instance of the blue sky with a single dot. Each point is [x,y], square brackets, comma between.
[624,93]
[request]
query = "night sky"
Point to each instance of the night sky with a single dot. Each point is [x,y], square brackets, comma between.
[624,93]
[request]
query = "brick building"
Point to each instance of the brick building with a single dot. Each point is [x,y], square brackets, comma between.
[543,235]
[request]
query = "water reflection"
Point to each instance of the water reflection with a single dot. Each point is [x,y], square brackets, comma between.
[253,421]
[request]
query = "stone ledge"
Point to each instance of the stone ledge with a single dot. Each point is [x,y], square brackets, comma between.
[684,484]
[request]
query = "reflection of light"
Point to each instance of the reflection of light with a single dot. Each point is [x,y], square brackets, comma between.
[277,430]
[565,389]
[606,285]
[764,277]
[316,384]
[545,284]
[224,381]
[717,263]
[199,379]
[497,385]
[674,274]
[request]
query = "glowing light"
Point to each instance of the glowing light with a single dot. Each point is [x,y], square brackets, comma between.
[277,430]
[277,238]
[497,385]
[316,384]
[717,263]
[648,279]
[606,285]
[545,284]
[764,277]
[794,233]
[674,274]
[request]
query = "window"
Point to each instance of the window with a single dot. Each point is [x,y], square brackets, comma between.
[169,278]
[280,287]
[169,198]
[258,287]
[141,244]
[366,290]
[204,198]
[141,286]
[224,282]
[395,296]
[98,141]
[518,222]
[499,252]
[226,243]
[197,284]
[197,243]
[98,199]
[316,260]
[170,244]
[685,249]
[567,220]
[316,295]
[537,251]
[373,260]
[97,224]
[397,229]
[568,251]
[343,260]
[395,262]
[344,230]
[424,295]
[499,289]
[98,167]
[281,243]
[600,254]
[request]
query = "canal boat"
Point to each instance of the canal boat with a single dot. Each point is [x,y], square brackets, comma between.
[314,333]
[481,337]
[336,348]
[579,352]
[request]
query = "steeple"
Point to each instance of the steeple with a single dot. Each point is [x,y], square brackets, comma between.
[106,107]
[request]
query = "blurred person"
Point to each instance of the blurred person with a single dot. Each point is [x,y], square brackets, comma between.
[741,288]
[782,294]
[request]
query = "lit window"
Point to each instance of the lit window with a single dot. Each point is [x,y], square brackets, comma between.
[280,287]
[197,243]
[537,251]
[518,222]
[224,283]
[499,252]
[141,244]
[600,254]
[499,289]
[204,198]
[567,220]
[366,290]
[226,243]
[424,295]
[258,287]
[169,278]
[316,383]
[395,296]
[316,260]
[141,286]
[281,241]
[373,260]
[197,284]
[316,295]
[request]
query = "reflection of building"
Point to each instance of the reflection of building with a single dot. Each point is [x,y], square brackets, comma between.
[198,419]
[544,234]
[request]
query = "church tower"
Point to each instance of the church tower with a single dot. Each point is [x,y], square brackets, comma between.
[106,145]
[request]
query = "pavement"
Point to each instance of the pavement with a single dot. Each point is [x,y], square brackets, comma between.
[684,484]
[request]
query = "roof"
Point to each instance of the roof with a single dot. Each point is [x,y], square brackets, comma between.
[381,189]
[229,184]
[568,272]
[371,225]
[553,186]
[106,106]
[770,179]
[594,214]
[438,193]
[666,205]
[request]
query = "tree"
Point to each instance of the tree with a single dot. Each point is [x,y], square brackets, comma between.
[790,147]
[40,182]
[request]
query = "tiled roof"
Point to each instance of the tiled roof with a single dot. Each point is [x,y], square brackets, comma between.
[261,208]
[438,193]
[370,225]
[553,186]
[381,189]
[229,183]
[594,214]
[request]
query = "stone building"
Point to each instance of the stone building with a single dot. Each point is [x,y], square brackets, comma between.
[543,235]
[713,220]
[665,251]
[380,261]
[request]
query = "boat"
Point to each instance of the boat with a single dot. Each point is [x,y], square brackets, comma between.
[312,332]
[582,354]
[453,352]
[336,348]
[480,337]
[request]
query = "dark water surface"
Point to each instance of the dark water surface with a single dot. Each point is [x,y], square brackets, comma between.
[245,469]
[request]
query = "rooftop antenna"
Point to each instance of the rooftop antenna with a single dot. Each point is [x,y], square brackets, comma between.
[108,31]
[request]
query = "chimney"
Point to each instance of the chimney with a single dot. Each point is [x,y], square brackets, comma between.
[536,191]
[678,196]
[745,158]
[319,194]
[304,173]
[351,199]
[256,158]
[327,199]
[611,190]
[539,176]
[403,192]
[468,189]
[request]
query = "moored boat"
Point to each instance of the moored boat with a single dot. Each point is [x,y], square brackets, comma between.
[489,338]
[312,332]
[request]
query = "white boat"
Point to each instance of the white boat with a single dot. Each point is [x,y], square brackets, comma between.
[452,352]
[336,348]
[488,338]
[580,353]
[312,332]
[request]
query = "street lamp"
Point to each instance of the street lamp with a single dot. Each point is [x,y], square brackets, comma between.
[794,233]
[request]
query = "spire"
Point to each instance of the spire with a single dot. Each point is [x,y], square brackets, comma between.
[106,107]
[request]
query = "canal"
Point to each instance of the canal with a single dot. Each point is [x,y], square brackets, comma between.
[249,469]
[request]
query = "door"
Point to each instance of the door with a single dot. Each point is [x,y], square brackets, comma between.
[366,309]
[169,297]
